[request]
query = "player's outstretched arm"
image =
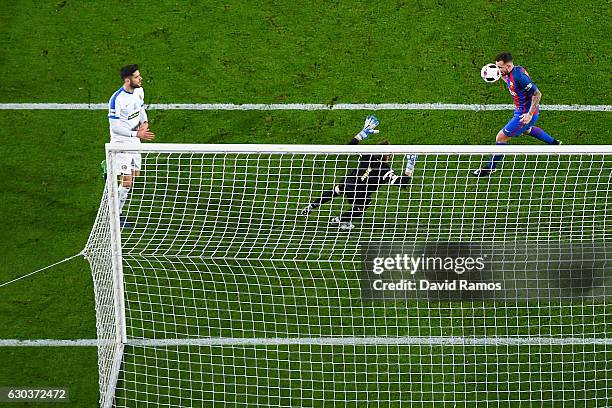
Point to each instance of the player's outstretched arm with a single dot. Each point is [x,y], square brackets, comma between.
[404,180]
[369,127]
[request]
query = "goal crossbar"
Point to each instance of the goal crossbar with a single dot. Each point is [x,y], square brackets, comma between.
[352,149]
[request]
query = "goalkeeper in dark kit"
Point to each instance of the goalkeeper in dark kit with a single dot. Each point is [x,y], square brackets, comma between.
[358,186]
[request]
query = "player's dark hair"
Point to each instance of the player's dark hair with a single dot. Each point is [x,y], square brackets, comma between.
[384,157]
[504,57]
[128,71]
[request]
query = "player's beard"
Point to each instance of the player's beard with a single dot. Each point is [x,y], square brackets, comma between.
[134,85]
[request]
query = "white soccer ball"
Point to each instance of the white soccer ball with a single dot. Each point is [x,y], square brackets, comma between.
[490,73]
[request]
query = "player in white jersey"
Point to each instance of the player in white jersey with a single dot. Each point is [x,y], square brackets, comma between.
[128,124]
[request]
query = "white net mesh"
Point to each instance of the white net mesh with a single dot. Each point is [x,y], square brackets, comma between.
[233,297]
[98,253]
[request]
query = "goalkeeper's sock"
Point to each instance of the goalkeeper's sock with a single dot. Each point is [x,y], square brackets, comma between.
[326,197]
[540,134]
[308,209]
[352,213]
[495,159]
[123,195]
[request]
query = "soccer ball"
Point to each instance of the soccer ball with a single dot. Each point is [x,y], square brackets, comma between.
[490,73]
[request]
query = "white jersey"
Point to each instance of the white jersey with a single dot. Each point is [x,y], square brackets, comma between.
[125,113]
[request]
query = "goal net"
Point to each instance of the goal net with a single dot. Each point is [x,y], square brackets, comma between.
[450,291]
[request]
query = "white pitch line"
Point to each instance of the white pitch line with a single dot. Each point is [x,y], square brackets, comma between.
[48,343]
[303,106]
[346,341]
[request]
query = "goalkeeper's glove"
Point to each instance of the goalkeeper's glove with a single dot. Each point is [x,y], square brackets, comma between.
[410,162]
[369,127]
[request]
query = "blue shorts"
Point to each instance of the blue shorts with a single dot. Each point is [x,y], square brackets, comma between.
[515,128]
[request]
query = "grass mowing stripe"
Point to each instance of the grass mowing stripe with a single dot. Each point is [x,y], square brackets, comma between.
[303,106]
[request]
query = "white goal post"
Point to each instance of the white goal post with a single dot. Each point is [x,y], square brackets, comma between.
[213,288]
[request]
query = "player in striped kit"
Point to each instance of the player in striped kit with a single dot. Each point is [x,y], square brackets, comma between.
[526,97]
[128,124]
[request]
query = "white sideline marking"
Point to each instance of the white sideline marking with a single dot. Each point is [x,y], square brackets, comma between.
[408,340]
[48,343]
[303,106]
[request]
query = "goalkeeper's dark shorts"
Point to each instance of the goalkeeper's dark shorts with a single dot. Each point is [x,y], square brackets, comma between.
[356,194]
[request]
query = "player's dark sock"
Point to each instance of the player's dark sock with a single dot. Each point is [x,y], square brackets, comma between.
[325,197]
[346,216]
[495,159]
[354,212]
[482,172]
[539,134]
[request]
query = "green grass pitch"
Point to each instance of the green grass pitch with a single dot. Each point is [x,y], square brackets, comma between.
[263,52]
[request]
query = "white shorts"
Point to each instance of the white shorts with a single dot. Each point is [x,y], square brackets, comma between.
[128,162]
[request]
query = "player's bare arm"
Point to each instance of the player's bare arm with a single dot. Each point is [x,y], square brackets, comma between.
[535,104]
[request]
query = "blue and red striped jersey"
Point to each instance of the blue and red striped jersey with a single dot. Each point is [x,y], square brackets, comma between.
[521,88]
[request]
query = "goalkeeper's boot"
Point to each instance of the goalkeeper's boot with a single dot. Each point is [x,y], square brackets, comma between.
[343,225]
[309,208]
[346,225]
[482,172]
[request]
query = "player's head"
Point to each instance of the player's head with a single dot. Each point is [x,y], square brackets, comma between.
[130,75]
[503,60]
